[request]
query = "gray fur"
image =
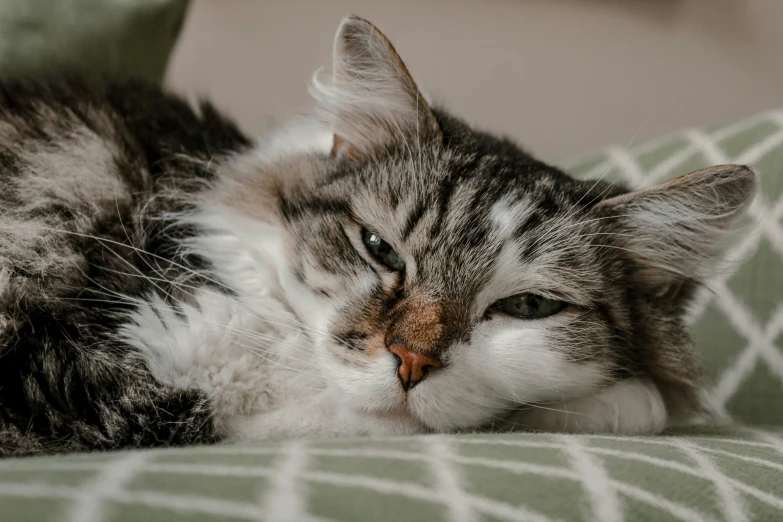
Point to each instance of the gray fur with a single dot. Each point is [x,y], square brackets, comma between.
[94,176]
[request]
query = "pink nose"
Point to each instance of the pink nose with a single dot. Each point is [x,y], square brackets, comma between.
[414,366]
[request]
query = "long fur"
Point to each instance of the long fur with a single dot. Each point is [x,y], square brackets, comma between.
[166,281]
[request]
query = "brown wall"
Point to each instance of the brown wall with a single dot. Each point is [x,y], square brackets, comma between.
[561,76]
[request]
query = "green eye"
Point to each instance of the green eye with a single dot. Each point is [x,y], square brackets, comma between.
[529,306]
[382,251]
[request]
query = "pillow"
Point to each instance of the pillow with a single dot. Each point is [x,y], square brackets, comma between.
[107,37]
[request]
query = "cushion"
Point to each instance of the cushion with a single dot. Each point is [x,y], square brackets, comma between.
[46,37]
[734,476]
[730,473]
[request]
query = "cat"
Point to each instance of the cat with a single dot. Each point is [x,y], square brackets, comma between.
[380,269]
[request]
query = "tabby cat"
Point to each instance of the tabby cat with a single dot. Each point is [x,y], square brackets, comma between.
[380,269]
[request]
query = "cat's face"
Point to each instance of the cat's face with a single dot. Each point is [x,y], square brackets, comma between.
[454,284]
[454,277]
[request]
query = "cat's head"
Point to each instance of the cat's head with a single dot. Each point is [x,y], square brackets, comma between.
[454,276]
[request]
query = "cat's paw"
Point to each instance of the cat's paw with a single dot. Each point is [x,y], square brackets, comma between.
[629,407]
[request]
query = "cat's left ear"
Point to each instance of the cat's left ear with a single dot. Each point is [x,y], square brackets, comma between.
[672,228]
[372,101]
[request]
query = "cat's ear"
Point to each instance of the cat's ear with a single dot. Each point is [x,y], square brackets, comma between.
[672,228]
[372,101]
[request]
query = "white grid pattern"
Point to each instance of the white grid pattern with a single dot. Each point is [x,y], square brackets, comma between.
[602,494]
[595,480]
[727,494]
[440,457]
[88,505]
[284,500]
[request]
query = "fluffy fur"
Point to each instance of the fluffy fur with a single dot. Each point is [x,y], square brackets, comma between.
[164,280]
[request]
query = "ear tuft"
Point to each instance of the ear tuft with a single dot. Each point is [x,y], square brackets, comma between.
[673,227]
[371,101]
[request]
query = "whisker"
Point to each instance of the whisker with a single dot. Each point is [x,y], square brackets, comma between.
[212,280]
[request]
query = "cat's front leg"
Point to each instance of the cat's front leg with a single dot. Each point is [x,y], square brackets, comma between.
[321,416]
[629,407]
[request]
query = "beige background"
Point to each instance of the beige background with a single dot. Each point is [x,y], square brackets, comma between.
[560,76]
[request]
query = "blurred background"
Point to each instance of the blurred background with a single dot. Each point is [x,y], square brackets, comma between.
[560,76]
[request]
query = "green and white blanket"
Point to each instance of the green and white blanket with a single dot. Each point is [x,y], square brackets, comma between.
[732,476]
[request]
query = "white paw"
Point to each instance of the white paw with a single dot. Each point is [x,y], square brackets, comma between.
[629,407]
[217,346]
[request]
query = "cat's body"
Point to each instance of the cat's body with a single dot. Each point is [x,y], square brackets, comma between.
[82,162]
[164,280]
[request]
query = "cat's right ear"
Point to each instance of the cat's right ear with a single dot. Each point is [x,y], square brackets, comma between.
[673,227]
[371,101]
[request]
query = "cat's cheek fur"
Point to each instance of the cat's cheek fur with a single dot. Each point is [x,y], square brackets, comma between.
[506,364]
[529,363]
[370,387]
[314,311]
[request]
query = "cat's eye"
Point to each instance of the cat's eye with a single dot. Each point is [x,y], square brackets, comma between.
[382,251]
[529,306]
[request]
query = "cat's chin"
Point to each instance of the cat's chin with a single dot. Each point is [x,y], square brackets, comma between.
[400,422]
[417,410]
[397,412]
[394,408]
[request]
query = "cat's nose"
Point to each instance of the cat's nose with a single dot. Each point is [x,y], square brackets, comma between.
[414,366]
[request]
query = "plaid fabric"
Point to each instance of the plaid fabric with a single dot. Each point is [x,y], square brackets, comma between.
[732,475]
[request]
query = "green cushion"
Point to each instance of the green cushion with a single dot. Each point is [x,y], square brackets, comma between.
[533,477]
[738,319]
[107,37]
